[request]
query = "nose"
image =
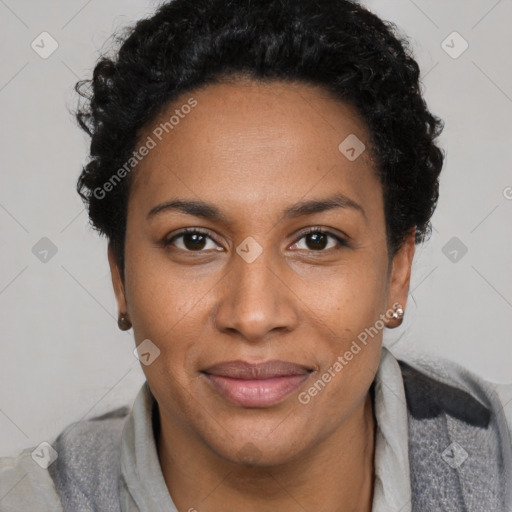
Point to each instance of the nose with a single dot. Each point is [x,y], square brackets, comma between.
[256,300]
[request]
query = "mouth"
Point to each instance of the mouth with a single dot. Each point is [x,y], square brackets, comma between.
[256,385]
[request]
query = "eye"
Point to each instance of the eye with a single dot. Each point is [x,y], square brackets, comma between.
[196,240]
[316,239]
[191,240]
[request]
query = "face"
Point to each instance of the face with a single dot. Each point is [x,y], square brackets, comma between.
[255,167]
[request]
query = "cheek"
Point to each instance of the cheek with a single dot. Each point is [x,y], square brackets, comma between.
[347,307]
[338,389]
[159,298]
[171,315]
[165,310]
[347,297]
[349,347]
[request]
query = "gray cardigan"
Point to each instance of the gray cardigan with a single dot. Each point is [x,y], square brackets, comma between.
[459,450]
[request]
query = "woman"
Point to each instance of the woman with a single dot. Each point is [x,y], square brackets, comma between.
[263,171]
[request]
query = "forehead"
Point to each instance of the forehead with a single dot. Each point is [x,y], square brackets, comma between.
[262,142]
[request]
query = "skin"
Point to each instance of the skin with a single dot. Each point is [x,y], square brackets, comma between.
[252,150]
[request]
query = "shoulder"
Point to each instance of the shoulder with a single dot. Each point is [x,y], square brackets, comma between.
[432,382]
[435,373]
[25,482]
[460,435]
[41,477]
[504,393]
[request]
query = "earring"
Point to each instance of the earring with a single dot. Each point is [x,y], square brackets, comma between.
[397,313]
[123,322]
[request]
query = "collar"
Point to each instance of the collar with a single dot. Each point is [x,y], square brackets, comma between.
[392,484]
[140,466]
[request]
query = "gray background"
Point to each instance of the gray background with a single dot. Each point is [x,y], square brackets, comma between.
[62,356]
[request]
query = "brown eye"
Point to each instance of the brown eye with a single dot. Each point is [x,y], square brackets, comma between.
[191,240]
[319,240]
[316,241]
[194,241]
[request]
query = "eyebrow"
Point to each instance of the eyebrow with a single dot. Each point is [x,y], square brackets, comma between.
[303,208]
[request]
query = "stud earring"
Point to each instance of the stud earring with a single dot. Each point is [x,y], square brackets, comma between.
[398,313]
[123,322]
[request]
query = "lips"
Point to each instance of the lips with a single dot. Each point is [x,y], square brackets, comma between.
[256,384]
[257,371]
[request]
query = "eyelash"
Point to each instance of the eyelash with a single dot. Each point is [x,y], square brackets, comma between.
[309,231]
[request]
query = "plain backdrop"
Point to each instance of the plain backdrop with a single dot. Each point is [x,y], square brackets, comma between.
[62,355]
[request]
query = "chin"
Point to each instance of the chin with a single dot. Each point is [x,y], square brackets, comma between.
[262,447]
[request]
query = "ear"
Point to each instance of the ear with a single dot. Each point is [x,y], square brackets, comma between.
[117,282]
[400,276]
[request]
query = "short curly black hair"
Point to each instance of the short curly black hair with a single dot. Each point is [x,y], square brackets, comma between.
[337,44]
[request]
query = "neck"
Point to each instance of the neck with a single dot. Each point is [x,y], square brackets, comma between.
[333,476]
